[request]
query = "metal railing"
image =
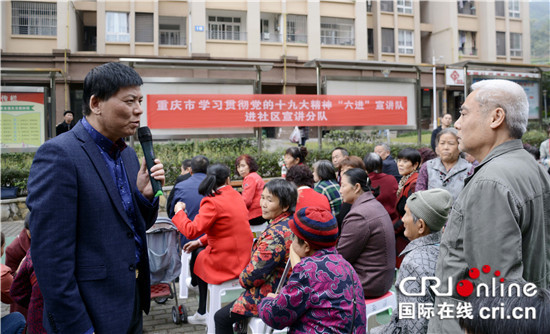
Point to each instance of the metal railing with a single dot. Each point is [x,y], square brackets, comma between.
[226,35]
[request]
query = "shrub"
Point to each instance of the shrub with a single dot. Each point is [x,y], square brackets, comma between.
[534,137]
[16,166]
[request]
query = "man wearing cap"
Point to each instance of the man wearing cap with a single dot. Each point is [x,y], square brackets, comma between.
[501,218]
[66,125]
[307,304]
[425,214]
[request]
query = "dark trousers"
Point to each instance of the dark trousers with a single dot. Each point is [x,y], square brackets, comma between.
[225,319]
[136,324]
[197,281]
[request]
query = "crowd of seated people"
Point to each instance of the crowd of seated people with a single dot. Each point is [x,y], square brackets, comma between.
[344,226]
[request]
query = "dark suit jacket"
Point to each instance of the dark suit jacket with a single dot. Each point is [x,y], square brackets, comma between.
[82,243]
[179,179]
[188,192]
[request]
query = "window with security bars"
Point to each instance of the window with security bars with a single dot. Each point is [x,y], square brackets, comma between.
[34,18]
[144,27]
[172,30]
[515,45]
[406,41]
[118,28]
[501,43]
[513,8]
[388,44]
[404,6]
[225,28]
[337,31]
[296,28]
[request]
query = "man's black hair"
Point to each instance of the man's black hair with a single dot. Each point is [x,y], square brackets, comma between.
[186,163]
[199,164]
[106,80]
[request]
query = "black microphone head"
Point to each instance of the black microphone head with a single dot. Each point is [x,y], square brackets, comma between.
[144,134]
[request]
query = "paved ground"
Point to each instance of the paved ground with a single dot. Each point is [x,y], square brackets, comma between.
[159,320]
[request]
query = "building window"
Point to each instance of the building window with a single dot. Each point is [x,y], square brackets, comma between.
[144,27]
[34,18]
[296,28]
[225,28]
[369,6]
[337,31]
[499,8]
[370,40]
[388,41]
[467,43]
[501,43]
[118,28]
[513,8]
[264,30]
[386,6]
[515,45]
[404,6]
[467,7]
[172,30]
[270,27]
[406,41]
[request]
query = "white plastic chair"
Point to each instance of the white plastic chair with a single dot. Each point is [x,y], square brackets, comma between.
[257,326]
[380,304]
[215,294]
[185,272]
[258,229]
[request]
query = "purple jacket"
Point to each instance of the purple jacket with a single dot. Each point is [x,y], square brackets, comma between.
[318,297]
[367,241]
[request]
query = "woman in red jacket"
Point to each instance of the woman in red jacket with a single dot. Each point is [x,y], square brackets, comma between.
[224,251]
[253,186]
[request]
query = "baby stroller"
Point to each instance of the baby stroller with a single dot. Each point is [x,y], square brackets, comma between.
[165,265]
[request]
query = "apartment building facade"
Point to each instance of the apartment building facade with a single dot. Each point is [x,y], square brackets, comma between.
[76,35]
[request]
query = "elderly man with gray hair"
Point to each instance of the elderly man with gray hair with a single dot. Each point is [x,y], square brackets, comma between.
[499,220]
[389,166]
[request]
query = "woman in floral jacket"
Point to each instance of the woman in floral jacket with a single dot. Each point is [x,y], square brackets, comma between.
[323,295]
[269,255]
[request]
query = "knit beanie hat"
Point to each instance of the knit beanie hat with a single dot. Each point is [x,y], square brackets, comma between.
[316,226]
[432,206]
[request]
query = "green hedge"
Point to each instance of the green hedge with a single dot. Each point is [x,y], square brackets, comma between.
[16,166]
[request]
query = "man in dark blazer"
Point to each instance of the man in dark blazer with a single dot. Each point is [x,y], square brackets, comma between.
[91,204]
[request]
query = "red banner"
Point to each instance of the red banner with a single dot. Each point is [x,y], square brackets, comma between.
[168,111]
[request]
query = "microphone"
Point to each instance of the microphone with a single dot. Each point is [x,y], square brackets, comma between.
[146,140]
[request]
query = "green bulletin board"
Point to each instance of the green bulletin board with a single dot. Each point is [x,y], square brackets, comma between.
[22,121]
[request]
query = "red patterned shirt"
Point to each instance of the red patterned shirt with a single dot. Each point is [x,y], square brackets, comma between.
[262,275]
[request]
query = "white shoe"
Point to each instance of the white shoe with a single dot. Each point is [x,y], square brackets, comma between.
[191,286]
[197,319]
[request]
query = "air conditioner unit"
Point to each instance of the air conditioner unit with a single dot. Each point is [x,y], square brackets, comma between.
[265,36]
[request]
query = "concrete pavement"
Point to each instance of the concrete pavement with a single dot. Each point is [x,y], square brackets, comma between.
[159,319]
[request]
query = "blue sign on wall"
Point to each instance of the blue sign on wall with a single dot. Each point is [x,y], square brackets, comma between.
[199,28]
